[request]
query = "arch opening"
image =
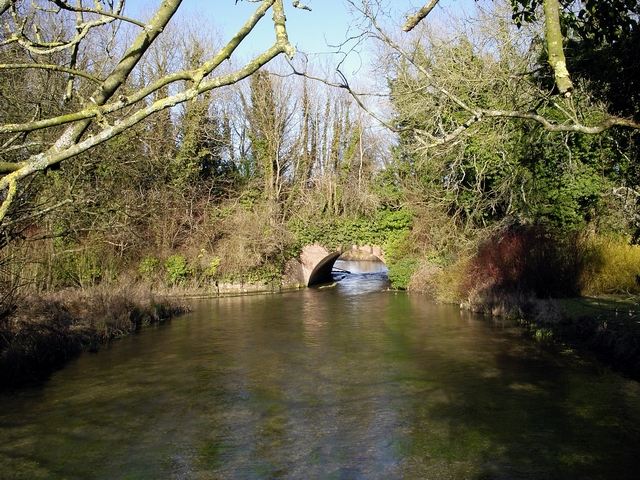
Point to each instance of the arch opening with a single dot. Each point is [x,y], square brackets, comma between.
[322,272]
[325,269]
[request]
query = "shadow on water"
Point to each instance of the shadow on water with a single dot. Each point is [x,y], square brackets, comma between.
[524,413]
[347,382]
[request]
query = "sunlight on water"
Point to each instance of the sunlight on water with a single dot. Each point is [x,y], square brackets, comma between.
[351,381]
[360,277]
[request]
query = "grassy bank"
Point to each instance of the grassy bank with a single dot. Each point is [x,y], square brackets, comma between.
[579,290]
[45,331]
[607,326]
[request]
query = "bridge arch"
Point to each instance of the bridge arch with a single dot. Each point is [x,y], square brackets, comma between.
[322,271]
[315,263]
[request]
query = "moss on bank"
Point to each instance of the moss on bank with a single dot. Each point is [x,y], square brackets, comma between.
[46,331]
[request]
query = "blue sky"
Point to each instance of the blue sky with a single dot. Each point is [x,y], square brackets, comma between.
[328,23]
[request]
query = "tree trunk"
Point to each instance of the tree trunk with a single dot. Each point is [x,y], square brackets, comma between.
[554,47]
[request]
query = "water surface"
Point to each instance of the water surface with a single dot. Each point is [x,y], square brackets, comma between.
[345,382]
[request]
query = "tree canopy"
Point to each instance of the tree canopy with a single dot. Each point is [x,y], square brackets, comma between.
[158,119]
[49,49]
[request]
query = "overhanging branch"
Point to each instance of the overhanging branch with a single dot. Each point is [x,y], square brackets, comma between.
[416,18]
[428,140]
[550,126]
[52,67]
[69,144]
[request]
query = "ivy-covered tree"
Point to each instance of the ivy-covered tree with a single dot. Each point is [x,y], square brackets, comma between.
[487,170]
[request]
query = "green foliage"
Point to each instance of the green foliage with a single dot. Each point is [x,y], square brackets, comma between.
[512,171]
[386,185]
[570,176]
[610,73]
[401,271]
[148,266]
[178,269]
[77,268]
[438,259]
[250,198]
[212,267]
[83,262]
[594,21]
[386,228]
[265,274]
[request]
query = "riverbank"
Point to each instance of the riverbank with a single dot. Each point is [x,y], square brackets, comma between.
[607,327]
[45,331]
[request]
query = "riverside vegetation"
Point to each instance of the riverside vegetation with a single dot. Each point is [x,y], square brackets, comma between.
[484,187]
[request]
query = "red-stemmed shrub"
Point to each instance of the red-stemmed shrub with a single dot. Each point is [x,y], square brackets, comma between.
[527,259]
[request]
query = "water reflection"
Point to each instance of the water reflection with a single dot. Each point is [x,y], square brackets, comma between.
[341,382]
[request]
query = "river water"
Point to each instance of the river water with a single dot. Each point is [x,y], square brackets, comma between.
[338,382]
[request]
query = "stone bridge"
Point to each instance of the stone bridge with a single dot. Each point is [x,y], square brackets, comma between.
[315,263]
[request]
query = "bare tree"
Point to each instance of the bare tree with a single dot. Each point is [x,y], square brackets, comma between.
[112,105]
[600,17]
[409,55]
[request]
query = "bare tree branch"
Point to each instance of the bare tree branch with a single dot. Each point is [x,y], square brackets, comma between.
[477,114]
[52,67]
[40,47]
[70,142]
[355,95]
[39,213]
[416,18]
[297,4]
[98,11]
[550,126]
[4,6]
[547,124]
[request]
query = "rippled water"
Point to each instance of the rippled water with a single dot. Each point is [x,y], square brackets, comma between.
[346,381]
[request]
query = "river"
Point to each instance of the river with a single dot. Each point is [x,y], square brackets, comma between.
[348,381]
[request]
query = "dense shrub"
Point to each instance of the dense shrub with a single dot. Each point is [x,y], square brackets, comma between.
[545,262]
[554,264]
[400,272]
[250,243]
[177,269]
[148,266]
[612,266]
[77,268]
